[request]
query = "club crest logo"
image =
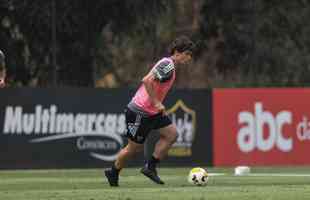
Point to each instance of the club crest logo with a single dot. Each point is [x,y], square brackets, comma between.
[185,120]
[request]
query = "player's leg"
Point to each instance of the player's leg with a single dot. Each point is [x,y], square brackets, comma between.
[126,153]
[138,128]
[168,135]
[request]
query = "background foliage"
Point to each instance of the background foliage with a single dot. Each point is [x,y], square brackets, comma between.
[112,43]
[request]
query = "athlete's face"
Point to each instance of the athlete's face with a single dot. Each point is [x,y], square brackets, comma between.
[184,57]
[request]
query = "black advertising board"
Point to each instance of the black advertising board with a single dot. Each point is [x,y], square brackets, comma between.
[84,128]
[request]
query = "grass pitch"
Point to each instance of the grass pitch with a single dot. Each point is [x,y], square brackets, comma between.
[85,184]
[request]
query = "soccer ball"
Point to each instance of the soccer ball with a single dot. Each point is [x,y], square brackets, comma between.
[198,176]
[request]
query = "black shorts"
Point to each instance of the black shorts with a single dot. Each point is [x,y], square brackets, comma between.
[138,126]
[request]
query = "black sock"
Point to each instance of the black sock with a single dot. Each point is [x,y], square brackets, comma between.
[114,169]
[152,162]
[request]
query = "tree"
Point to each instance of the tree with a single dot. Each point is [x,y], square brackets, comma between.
[79,30]
[263,42]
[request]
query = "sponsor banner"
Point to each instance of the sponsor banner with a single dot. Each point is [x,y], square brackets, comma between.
[190,111]
[53,128]
[261,126]
[61,127]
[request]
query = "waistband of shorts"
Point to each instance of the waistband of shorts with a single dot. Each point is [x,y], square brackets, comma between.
[135,108]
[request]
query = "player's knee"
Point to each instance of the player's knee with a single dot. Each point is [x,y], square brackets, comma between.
[125,151]
[172,136]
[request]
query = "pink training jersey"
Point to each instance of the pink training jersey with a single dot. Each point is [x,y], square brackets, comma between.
[165,74]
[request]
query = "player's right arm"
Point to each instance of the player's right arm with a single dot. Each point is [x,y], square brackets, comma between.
[162,72]
[148,82]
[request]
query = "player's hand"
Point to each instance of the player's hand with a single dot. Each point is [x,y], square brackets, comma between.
[2,83]
[160,107]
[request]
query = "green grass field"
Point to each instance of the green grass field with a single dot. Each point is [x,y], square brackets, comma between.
[264,184]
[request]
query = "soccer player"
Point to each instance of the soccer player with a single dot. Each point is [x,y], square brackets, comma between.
[2,69]
[146,112]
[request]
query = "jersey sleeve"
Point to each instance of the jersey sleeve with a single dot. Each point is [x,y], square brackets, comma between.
[163,71]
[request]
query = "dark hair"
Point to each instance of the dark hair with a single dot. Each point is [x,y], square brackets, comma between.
[181,44]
